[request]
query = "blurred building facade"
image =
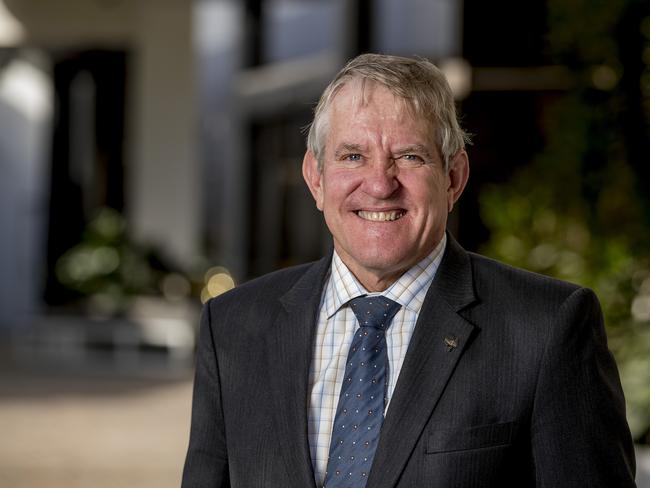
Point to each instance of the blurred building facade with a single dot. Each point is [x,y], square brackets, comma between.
[183,117]
[259,79]
[160,142]
[103,116]
[186,119]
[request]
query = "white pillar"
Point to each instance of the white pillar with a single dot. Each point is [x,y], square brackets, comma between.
[25,125]
[163,180]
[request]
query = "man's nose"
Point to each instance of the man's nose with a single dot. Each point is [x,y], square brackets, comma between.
[380,179]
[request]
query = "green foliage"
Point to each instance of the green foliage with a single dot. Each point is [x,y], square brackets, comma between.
[575,212]
[108,270]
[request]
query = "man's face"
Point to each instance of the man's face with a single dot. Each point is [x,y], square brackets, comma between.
[383,189]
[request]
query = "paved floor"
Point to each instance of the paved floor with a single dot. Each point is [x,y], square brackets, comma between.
[91,430]
[81,429]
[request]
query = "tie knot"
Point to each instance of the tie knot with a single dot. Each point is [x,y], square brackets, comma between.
[376,311]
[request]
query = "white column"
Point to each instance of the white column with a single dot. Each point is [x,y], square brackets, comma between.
[163,175]
[25,127]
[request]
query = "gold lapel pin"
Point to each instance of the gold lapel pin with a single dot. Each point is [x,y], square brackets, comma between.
[451,343]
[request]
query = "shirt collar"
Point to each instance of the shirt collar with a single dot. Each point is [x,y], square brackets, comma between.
[409,290]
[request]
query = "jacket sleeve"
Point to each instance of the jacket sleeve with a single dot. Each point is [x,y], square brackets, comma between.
[206,464]
[580,436]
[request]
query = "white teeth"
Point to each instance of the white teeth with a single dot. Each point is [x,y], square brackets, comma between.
[381,216]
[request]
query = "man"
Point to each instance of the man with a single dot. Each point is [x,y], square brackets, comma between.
[400,360]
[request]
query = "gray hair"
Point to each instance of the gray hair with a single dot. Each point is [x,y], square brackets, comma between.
[420,83]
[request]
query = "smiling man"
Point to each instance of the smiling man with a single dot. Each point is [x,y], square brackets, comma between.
[380,179]
[401,360]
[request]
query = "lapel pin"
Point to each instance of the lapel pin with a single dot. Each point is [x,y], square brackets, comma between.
[451,342]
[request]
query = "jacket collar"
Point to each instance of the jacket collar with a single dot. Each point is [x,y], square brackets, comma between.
[290,352]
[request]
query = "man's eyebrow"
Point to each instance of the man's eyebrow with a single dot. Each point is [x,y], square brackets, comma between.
[348,147]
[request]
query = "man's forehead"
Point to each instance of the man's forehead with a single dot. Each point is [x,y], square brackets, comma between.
[361,92]
[370,100]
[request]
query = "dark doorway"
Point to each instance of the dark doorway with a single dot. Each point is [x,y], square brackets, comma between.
[87,150]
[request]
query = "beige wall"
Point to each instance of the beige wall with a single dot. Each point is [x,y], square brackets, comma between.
[162,174]
[163,192]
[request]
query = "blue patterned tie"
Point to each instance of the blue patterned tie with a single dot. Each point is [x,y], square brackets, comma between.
[360,411]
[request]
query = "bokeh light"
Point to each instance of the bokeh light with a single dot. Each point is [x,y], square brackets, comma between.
[218,280]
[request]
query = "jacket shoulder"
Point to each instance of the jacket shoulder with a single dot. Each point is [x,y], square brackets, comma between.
[262,294]
[491,277]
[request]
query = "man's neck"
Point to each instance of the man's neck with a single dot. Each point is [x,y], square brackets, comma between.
[378,280]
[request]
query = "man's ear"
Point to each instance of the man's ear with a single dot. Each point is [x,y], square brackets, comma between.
[458,175]
[313,177]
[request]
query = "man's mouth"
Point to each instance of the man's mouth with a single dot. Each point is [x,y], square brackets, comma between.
[388,216]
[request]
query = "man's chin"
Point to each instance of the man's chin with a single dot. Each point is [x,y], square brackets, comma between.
[377,262]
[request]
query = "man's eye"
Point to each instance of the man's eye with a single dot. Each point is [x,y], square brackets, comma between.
[353,157]
[412,159]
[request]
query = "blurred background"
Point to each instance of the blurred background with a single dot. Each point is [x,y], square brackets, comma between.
[150,158]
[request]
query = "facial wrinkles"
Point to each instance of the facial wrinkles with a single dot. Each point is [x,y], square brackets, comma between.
[377,182]
[359,105]
[384,212]
[382,128]
[373,136]
[377,128]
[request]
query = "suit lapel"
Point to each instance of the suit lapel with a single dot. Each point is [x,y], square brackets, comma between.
[291,340]
[438,341]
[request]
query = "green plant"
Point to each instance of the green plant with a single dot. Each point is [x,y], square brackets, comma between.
[577,211]
[107,269]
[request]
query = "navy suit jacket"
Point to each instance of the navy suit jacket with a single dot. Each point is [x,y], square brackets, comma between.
[528,397]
